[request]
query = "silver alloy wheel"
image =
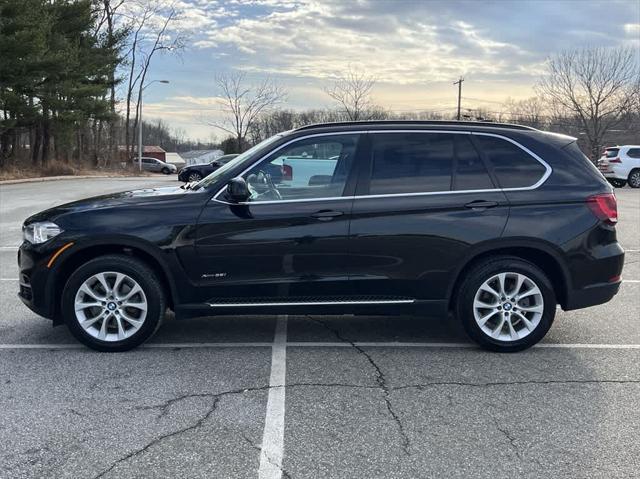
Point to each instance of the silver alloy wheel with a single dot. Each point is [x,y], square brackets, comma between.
[634,179]
[194,177]
[110,306]
[508,306]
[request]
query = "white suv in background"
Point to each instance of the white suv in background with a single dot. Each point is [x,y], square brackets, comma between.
[621,165]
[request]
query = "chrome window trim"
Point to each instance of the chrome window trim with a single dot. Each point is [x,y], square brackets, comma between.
[540,182]
[310,303]
[543,178]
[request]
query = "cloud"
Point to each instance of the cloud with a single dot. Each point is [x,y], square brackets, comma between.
[632,28]
[320,40]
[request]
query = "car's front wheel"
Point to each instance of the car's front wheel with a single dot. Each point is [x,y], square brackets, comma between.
[194,176]
[166,171]
[506,304]
[113,303]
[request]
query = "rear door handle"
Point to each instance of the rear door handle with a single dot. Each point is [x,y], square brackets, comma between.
[481,205]
[327,215]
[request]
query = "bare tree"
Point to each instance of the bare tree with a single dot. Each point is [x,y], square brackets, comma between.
[600,86]
[352,92]
[530,111]
[115,36]
[150,22]
[243,104]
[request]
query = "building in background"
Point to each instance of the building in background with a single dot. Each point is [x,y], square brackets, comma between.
[147,151]
[198,157]
[175,159]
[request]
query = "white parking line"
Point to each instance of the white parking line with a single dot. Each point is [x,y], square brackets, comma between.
[272,449]
[282,345]
[9,248]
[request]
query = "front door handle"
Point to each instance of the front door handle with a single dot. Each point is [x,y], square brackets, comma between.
[481,205]
[327,215]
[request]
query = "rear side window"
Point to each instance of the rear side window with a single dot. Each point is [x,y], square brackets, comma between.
[611,152]
[513,167]
[470,171]
[411,163]
[633,153]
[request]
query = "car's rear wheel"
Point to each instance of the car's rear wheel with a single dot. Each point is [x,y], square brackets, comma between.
[617,183]
[194,176]
[113,303]
[634,178]
[506,304]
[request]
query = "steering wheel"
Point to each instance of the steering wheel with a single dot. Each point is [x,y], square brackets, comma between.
[264,186]
[271,185]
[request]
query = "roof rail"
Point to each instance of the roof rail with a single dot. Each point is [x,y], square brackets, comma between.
[417,123]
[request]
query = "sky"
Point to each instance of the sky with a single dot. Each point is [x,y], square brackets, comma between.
[414,49]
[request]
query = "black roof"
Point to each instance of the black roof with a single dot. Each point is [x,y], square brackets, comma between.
[383,123]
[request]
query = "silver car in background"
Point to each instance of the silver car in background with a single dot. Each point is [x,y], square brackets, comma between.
[155,165]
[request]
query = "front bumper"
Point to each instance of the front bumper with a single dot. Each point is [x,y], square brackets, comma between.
[35,291]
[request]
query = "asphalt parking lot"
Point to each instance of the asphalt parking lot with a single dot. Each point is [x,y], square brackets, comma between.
[311,397]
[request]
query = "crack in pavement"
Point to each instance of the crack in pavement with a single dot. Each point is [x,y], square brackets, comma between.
[248,440]
[381,380]
[161,438]
[165,406]
[510,438]
[516,383]
[380,385]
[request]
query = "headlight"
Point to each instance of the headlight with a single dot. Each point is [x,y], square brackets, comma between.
[37,233]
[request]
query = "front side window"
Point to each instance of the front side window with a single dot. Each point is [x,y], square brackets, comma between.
[310,168]
[513,167]
[411,163]
[218,173]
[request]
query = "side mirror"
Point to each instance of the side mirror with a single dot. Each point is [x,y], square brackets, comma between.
[237,190]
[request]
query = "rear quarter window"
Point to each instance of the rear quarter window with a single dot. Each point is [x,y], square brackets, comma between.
[633,153]
[512,166]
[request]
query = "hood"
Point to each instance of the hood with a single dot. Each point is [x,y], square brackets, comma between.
[147,195]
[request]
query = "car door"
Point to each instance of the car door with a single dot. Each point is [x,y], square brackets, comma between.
[147,164]
[426,198]
[289,240]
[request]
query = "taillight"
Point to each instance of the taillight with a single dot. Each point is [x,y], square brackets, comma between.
[605,207]
[615,160]
[287,172]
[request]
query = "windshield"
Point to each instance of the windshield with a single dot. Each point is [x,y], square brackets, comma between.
[208,180]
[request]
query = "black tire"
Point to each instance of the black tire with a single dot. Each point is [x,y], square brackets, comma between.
[616,183]
[194,176]
[634,178]
[166,171]
[135,269]
[482,272]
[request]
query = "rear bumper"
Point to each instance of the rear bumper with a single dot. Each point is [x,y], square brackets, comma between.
[591,295]
[596,277]
[615,171]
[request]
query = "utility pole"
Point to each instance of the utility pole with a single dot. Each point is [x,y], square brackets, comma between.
[142,89]
[459,83]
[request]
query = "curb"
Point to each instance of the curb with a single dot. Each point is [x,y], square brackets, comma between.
[67,177]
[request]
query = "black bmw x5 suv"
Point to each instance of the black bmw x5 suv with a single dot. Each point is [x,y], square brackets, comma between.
[495,223]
